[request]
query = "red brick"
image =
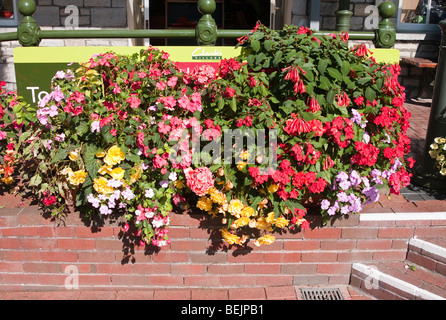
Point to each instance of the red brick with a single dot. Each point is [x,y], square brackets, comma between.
[202,281]
[172,295]
[389,255]
[226,268]
[54,231]
[164,280]
[281,293]
[135,295]
[209,294]
[246,258]
[275,280]
[92,280]
[189,245]
[91,256]
[114,268]
[299,268]
[128,280]
[28,255]
[359,233]
[264,268]
[334,268]
[59,256]
[76,244]
[38,243]
[322,233]
[301,245]
[178,232]
[11,266]
[319,256]
[107,244]
[152,268]
[338,244]
[19,232]
[170,257]
[355,256]
[41,267]
[239,280]
[282,257]
[431,232]
[396,233]
[374,244]
[247,294]
[188,268]
[87,232]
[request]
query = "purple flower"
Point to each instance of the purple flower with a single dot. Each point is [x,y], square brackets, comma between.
[342,196]
[342,176]
[345,184]
[127,194]
[325,204]
[355,178]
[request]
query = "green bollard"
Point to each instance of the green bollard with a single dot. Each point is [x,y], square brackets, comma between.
[427,175]
[343,16]
[385,35]
[28,30]
[206,30]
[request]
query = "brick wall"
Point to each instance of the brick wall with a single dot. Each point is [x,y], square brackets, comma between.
[38,254]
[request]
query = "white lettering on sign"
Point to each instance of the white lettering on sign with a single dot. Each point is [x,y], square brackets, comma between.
[36,97]
[201,53]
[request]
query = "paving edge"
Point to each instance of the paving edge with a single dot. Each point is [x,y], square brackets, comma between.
[428,247]
[373,276]
[402,216]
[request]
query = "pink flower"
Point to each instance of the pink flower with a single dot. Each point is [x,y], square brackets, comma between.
[160,85]
[199,180]
[172,81]
[2,135]
[134,102]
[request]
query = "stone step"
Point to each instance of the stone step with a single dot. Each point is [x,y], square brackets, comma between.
[429,254]
[398,280]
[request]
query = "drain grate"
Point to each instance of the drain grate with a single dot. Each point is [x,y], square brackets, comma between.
[321,294]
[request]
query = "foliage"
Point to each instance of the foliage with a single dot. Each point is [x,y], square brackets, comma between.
[296,122]
[438,152]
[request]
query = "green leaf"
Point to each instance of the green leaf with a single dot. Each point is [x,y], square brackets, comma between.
[277,57]
[345,68]
[91,163]
[255,45]
[322,65]
[60,155]
[233,104]
[35,180]
[335,74]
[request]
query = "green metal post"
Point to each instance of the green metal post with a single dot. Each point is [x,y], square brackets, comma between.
[28,30]
[426,174]
[343,16]
[206,30]
[386,33]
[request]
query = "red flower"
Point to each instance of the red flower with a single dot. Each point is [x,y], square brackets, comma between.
[313,106]
[367,154]
[318,186]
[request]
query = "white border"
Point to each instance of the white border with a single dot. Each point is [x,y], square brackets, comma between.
[403,216]
[428,247]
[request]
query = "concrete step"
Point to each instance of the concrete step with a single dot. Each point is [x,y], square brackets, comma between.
[429,254]
[399,280]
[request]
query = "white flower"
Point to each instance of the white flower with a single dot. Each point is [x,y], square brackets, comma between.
[95,126]
[164,183]
[149,193]
[173,176]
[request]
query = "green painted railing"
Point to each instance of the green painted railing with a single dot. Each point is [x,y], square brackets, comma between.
[29,33]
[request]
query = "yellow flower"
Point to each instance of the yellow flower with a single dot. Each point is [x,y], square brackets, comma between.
[114,156]
[241,165]
[281,222]
[204,204]
[261,224]
[8,180]
[100,185]
[136,175]
[270,218]
[443,172]
[117,173]
[100,154]
[235,207]
[241,222]
[73,155]
[273,188]
[229,237]
[179,184]
[78,177]
[247,212]
[266,239]
[105,169]
[217,196]
[244,155]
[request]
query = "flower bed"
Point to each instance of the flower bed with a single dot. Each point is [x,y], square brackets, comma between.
[298,122]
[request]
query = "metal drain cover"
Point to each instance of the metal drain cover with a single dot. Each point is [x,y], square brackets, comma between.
[321,294]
